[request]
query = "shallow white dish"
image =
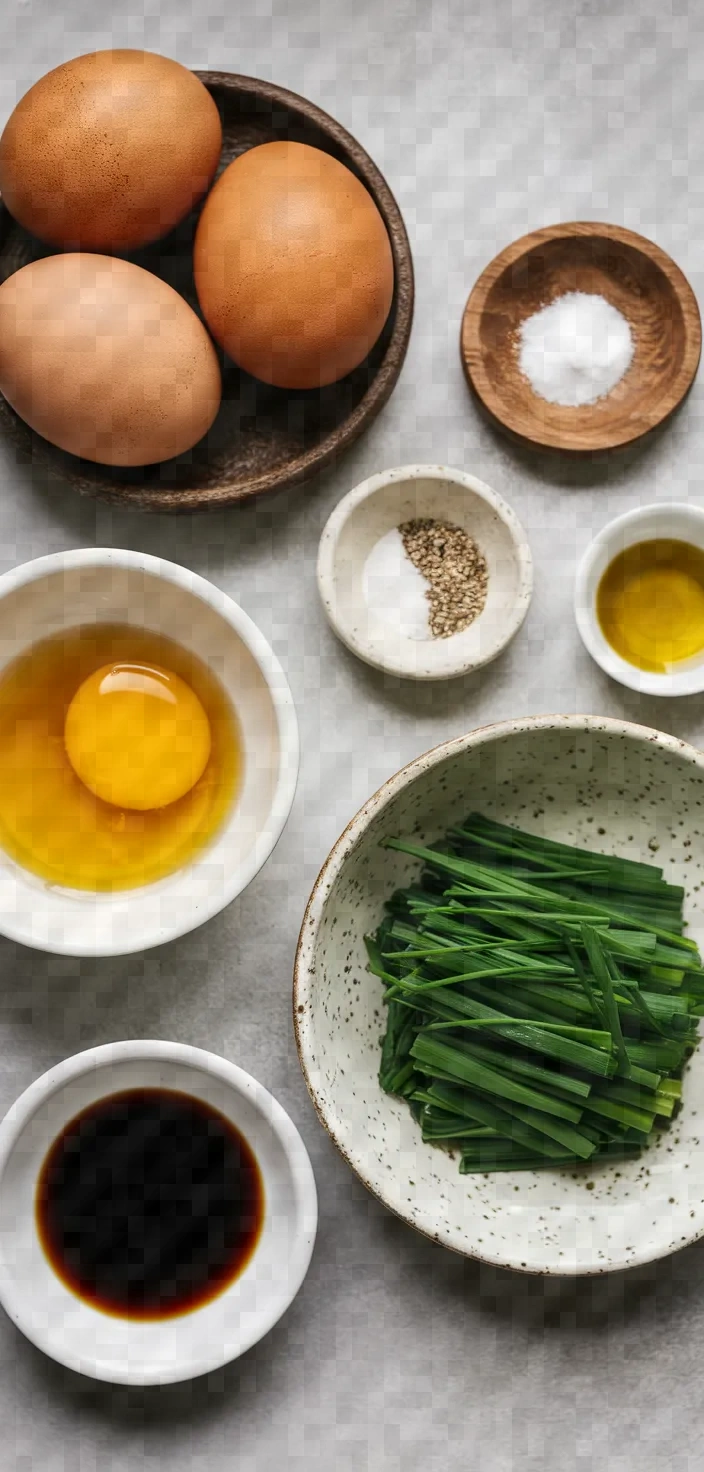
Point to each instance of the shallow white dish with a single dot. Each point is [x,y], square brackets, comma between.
[680,521]
[378,505]
[614,787]
[126,1351]
[102,585]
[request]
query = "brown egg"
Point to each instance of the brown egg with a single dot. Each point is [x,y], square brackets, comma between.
[109,151]
[105,360]
[293,266]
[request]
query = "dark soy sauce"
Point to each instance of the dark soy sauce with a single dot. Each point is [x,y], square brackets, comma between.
[149,1203]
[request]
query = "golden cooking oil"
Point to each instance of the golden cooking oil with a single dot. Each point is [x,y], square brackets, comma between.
[650,604]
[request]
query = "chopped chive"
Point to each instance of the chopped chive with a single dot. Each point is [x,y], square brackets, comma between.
[597,961]
[542,1000]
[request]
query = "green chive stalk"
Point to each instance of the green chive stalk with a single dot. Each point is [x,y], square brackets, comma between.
[542,1001]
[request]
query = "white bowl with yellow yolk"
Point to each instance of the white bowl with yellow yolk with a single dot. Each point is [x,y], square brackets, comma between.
[103,586]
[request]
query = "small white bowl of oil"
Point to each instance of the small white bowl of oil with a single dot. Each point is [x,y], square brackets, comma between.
[112,1260]
[49,899]
[377,599]
[639,599]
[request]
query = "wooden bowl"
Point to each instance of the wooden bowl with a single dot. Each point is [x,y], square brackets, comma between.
[630,272]
[264,438]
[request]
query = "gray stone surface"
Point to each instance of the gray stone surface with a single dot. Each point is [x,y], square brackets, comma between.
[488,119]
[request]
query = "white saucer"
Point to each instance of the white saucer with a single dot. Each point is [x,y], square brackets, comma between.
[680,521]
[127,1351]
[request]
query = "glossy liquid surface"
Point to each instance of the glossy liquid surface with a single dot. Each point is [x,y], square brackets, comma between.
[149,1204]
[50,821]
[137,735]
[650,604]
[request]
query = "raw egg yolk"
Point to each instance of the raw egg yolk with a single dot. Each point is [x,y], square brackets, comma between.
[137,735]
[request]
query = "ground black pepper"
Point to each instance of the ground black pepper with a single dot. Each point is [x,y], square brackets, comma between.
[455,569]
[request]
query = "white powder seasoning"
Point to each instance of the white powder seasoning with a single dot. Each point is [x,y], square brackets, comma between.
[394,589]
[576,350]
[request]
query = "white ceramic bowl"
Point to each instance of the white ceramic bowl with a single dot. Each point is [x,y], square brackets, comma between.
[682,522]
[613,787]
[106,586]
[378,505]
[122,1350]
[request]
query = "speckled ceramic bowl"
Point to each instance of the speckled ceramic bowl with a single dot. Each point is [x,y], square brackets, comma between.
[377,635]
[613,787]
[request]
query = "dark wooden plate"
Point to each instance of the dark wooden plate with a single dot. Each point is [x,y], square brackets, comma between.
[630,272]
[263,438]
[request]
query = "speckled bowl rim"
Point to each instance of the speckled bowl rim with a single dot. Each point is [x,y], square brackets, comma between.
[304,971]
[433,668]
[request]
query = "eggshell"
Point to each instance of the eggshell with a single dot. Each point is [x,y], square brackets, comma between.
[109,151]
[293,266]
[105,360]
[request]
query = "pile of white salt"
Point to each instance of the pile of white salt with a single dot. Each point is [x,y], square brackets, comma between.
[576,350]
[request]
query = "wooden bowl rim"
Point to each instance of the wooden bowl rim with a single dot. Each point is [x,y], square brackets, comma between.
[194,498]
[598,437]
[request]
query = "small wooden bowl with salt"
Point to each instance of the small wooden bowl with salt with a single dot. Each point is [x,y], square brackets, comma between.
[424,572]
[581,337]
